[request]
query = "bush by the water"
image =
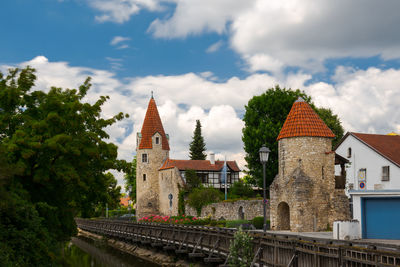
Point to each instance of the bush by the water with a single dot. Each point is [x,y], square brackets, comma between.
[241,249]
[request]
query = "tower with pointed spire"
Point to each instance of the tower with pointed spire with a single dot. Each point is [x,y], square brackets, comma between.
[152,149]
[303,197]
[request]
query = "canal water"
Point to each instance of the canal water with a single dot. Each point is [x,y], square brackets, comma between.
[83,252]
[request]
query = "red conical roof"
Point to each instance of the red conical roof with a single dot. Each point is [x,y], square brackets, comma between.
[303,121]
[152,124]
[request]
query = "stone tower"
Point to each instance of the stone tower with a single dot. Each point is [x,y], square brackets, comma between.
[303,194]
[152,149]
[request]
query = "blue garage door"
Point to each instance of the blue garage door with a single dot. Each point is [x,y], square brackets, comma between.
[381,218]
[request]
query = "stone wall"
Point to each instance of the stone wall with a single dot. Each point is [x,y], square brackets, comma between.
[303,195]
[240,209]
[170,182]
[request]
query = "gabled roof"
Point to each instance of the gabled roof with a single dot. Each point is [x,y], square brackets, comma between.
[152,124]
[198,165]
[303,121]
[387,146]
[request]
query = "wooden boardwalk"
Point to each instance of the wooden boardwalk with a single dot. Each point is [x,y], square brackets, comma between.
[212,244]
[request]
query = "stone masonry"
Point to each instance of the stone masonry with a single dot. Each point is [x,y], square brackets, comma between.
[303,194]
[240,209]
[148,187]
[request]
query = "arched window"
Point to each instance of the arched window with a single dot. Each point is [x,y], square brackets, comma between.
[349,152]
[157,140]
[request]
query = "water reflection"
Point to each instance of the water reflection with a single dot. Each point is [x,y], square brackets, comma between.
[84,253]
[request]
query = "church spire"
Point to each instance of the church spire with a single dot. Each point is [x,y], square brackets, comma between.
[152,124]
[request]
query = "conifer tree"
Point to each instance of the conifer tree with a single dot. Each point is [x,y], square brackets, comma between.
[197,146]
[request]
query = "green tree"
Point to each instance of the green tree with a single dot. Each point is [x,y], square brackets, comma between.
[197,146]
[240,189]
[130,180]
[200,197]
[192,180]
[264,118]
[57,145]
[241,249]
[333,122]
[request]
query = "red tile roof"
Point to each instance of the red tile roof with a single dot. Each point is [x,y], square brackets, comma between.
[124,201]
[303,121]
[151,125]
[386,145]
[198,165]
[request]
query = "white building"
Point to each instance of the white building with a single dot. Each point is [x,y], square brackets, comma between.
[373,182]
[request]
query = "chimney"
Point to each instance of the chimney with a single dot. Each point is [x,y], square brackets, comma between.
[212,158]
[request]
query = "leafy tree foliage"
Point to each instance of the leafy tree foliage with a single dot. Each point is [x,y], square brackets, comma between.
[241,249]
[200,197]
[56,146]
[240,189]
[333,122]
[264,118]
[197,146]
[192,180]
[130,180]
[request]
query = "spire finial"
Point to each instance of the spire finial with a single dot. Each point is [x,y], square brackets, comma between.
[152,95]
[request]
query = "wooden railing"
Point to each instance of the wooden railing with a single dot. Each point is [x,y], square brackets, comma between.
[212,244]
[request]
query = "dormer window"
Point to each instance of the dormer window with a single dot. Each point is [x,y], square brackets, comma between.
[144,157]
[157,140]
[349,152]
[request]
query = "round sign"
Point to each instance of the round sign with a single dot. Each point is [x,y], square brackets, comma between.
[362,185]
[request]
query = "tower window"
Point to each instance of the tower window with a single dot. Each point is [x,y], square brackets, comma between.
[349,152]
[144,157]
[157,140]
[144,177]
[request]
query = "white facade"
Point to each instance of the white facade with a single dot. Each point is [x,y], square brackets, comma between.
[364,157]
[367,180]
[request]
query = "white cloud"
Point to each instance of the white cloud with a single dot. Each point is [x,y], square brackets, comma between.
[120,11]
[198,16]
[271,35]
[214,47]
[119,39]
[365,100]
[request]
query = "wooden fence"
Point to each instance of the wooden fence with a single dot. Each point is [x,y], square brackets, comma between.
[212,244]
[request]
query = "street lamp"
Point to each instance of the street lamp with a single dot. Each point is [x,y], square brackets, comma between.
[264,153]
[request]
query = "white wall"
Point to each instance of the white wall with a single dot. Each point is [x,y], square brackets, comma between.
[364,157]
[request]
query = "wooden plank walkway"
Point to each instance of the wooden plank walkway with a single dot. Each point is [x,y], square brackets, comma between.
[212,244]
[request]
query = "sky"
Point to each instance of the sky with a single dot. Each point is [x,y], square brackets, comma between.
[204,59]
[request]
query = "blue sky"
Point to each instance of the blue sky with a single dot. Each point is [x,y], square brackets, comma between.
[204,59]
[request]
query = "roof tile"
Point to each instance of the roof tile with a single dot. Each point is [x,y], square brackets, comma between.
[386,145]
[303,121]
[198,165]
[151,125]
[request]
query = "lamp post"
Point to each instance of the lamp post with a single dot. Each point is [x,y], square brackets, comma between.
[264,153]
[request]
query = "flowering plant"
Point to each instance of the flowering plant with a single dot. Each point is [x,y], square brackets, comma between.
[169,219]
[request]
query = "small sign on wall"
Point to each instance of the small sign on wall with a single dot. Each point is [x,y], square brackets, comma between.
[362,179]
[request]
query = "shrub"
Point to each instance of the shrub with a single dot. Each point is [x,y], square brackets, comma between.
[200,197]
[181,201]
[240,189]
[236,223]
[241,249]
[258,222]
